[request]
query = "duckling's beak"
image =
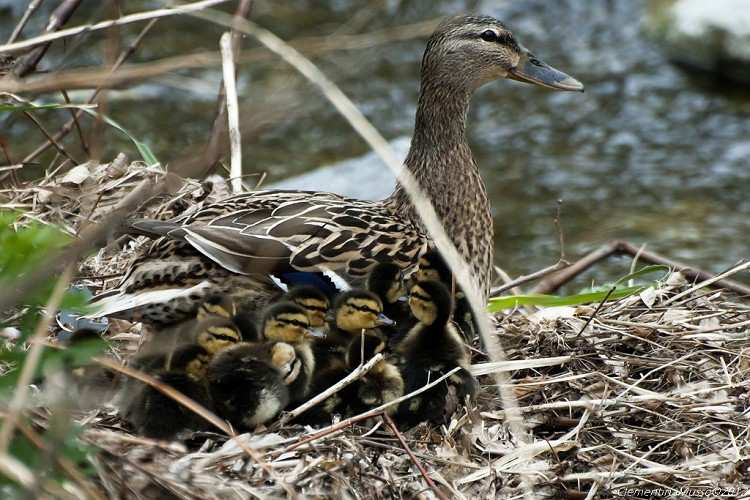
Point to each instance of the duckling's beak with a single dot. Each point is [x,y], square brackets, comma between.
[384,320]
[330,316]
[315,333]
[531,70]
[403,298]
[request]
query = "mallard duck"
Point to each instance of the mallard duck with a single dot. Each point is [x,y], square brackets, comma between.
[431,349]
[382,384]
[234,245]
[249,382]
[432,267]
[287,322]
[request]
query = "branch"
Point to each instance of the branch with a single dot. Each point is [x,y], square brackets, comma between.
[390,423]
[233,113]
[58,17]
[354,375]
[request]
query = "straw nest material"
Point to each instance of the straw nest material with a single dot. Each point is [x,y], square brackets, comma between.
[648,395]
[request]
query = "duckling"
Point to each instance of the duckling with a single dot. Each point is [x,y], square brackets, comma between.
[311,299]
[432,267]
[430,349]
[249,382]
[153,413]
[353,312]
[386,281]
[288,322]
[382,384]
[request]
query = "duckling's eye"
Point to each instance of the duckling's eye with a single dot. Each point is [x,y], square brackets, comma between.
[489,36]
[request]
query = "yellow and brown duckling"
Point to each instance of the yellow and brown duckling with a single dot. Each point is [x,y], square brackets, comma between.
[353,312]
[290,323]
[183,367]
[249,382]
[387,282]
[382,384]
[430,349]
[432,267]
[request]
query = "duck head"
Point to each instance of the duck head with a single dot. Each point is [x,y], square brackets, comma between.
[216,334]
[474,50]
[313,301]
[387,282]
[287,322]
[430,302]
[358,310]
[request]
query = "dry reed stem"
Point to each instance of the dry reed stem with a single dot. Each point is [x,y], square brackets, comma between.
[356,374]
[233,112]
[110,23]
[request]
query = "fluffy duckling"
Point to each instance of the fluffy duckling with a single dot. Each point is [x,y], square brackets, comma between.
[382,384]
[249,382]
[154,414]
[430,349]
[353,312]
[290,323]
[386,281]
[432,267]
[311,299]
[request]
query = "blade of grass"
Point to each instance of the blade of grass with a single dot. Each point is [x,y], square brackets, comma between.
[145,151]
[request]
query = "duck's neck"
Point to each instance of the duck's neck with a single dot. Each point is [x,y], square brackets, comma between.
[441,161]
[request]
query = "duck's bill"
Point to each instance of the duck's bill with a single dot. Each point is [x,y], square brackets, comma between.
[315,333]
[531,70]
[384,320]
[403,299]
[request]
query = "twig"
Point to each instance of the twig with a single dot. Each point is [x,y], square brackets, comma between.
[49,137]
[390,423]
[74,117]
[560,264]
[598,308]
[620,247]
[710,281]
[233,113]
[215,145]
[31,361]
[58,18]
[30,9]
[354,375]
[368,414]
[69,124]
[110,23]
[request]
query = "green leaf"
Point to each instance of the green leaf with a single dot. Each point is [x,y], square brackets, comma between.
[145,151]
[497,304]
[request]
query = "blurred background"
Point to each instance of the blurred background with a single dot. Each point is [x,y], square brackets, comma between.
[656,151]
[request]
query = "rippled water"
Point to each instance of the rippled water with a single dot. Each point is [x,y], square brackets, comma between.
[648,153]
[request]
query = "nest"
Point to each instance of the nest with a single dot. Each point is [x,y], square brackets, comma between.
[641,395]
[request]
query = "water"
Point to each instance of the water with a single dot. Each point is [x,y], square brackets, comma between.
[647,154]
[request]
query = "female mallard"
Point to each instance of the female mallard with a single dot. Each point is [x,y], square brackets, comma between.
[235,244]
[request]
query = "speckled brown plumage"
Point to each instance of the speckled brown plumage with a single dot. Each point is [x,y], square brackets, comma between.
[252,234]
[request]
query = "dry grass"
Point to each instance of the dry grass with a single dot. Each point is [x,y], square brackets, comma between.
[651,393]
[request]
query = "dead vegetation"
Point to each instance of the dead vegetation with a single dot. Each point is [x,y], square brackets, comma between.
[648,391]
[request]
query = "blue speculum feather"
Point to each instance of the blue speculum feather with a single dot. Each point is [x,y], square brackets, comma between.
[318,280]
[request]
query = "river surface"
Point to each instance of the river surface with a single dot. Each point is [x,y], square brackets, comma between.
[649,153]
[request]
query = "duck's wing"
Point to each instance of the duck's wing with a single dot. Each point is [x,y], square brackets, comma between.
[282,231]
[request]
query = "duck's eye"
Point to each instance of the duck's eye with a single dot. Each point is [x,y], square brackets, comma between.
[489,36]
